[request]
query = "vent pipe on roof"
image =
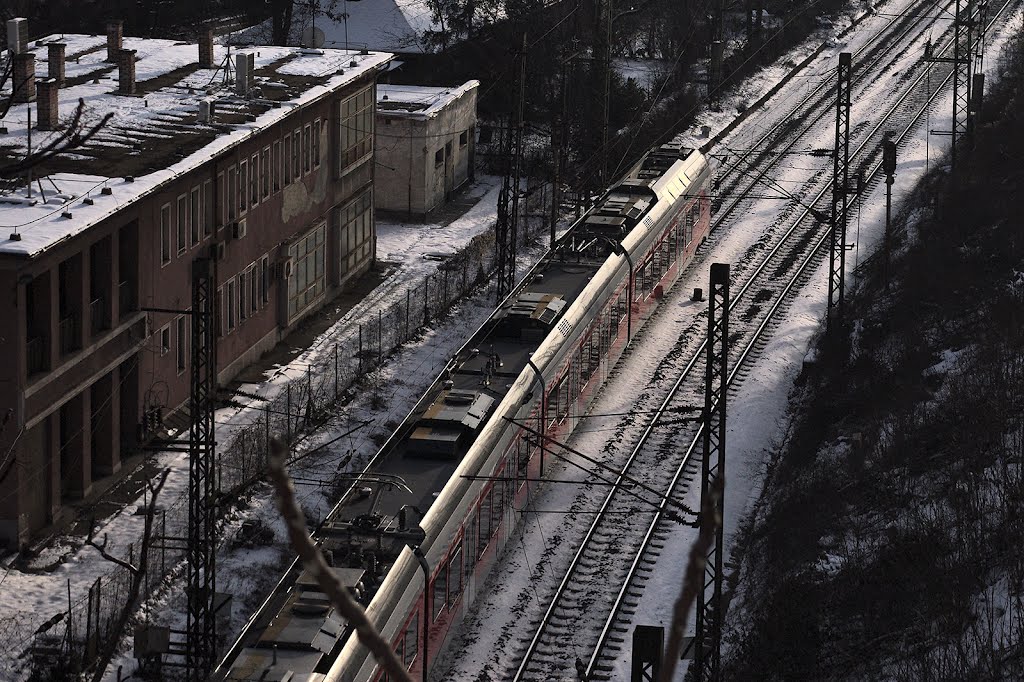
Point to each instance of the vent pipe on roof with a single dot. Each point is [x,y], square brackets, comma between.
[126,72]
[115,33]
[17,35]
[55,62]
[245,64]
[206,48]
[46,103]
[207,111]
[24,74]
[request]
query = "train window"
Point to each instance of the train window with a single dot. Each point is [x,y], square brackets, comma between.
[485,524]
[673,238]
[696,213]
[455,575]
[438,599]
[562,391]
[497,507]
[471,543]
[523,458]
[687,228]
[399,648]
[411,640]
[552,415]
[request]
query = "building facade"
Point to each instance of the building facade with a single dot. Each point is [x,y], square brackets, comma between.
[425,145]
[270,176]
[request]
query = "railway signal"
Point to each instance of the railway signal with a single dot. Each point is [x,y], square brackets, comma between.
[889,168]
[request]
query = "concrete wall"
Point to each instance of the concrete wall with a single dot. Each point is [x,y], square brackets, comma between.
[409,180]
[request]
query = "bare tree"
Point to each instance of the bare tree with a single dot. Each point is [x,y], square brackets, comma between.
[137,571]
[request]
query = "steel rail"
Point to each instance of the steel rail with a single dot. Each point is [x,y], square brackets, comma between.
[783,297]
[648,430]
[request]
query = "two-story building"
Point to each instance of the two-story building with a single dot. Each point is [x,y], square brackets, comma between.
[261,160]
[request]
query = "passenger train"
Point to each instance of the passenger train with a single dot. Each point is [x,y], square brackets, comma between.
[448,479]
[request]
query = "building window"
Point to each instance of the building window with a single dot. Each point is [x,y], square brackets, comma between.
[194,219]
[355,129]
[316,143]
[265,171]
[439,157]
[165,340]
[221,212]
[355,232]
[243,186]
[275,163]
[218,312]
[182,224]
[207,208]
[286,159]
[306,147]
[264,280]
[254,289]
[296,153]
[463,138]
[229,306]
[306,284]
[455,574]
[229,198]
[182,328]
[165,234]
[254,180]
[243,290]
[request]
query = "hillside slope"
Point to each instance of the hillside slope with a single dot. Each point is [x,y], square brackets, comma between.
[888,543]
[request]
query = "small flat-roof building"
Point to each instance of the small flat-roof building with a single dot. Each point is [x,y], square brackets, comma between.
[425,145]
[269,176]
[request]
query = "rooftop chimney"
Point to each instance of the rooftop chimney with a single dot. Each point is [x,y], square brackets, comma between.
[126,72]
[24,74]
[245,64]
[115,31]
[206,48]
[17,35]
[46,103]
[55,60]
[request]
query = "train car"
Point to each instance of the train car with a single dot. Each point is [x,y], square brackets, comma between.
[415,537]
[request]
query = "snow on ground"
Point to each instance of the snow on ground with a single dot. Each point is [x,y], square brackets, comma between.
[28,598]
[758,411]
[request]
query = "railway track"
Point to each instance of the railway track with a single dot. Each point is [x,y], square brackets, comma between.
[592,605]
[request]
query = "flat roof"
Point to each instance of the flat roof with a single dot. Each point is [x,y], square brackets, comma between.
[418,101]
[154,136]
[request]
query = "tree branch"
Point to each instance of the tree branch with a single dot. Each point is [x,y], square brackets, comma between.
[313,561]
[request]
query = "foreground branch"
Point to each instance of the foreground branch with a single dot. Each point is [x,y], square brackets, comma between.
[313,561]
[693,579]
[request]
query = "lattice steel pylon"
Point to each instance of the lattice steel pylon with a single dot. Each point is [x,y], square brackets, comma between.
[840,189]
[963,59]
[507,226]
[201,631]
[708,636]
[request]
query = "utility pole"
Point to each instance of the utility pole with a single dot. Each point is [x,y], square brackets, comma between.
[507,227]
[201,630]
[889,168]
[708,639]
[840,189]
[962,60]
[607,94]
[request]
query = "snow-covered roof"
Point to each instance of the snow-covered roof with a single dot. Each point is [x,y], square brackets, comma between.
[154,136]
[418,101]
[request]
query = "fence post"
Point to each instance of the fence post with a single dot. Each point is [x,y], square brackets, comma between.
[99,600]
[380,337]
[288,412]
[426,304]
[88,623]
[408,304]
[71,627]
[163,535]
[360,353]
[335,372]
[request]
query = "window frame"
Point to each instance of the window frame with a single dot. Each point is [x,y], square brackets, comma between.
[166,242]
[181,349]
[194,217]
[181,225]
